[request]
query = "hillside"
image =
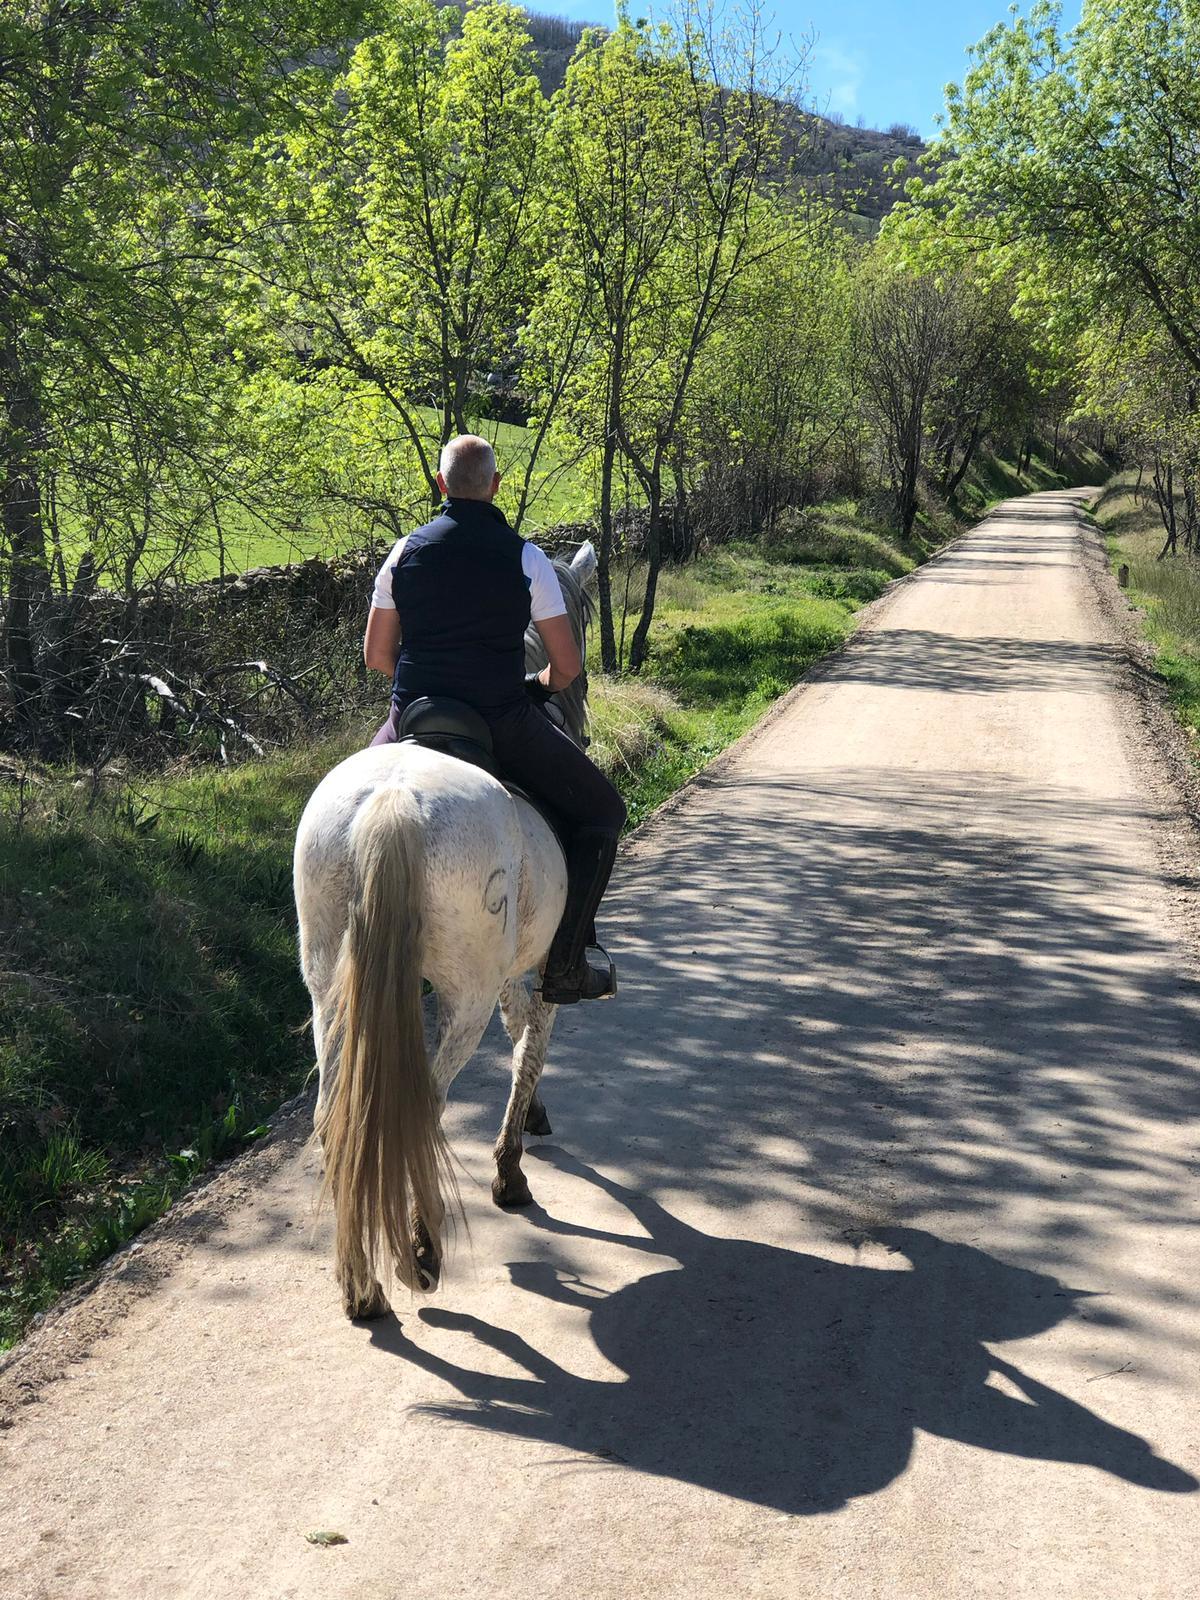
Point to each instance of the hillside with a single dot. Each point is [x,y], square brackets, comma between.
[849,166]
[852,166]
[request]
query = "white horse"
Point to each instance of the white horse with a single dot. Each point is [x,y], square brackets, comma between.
[412,864]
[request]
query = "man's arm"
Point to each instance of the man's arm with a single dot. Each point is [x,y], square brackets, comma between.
[564,665]
[381,642]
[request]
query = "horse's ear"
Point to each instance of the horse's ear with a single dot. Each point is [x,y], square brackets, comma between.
[583,563]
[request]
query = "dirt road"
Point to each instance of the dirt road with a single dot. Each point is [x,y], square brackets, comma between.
[865,1254]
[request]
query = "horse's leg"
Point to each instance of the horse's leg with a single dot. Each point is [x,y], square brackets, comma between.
[515,1000]
[462,1021]
[536,1120]
[525,1012]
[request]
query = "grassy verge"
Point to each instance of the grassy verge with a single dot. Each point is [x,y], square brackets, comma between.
[1167,591]
[996,478]
[148,1002]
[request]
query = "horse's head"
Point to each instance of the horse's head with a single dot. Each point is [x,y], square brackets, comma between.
[576,578]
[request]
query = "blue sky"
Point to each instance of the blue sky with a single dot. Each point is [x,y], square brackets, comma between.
[879,59]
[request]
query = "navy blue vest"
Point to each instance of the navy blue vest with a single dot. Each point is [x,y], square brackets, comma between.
[463,606]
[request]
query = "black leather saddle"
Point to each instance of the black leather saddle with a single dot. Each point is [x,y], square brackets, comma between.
[456,729]
[451,726]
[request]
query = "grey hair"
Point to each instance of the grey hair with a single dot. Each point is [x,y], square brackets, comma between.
[468,464]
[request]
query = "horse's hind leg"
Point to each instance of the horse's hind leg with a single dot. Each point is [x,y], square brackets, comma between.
[515,1000]
[360,1305]
[536,1120]
[528,1022]
[429,1266]
[461,1025]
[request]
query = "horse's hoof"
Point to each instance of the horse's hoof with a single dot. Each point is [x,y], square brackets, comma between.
[365,1308]
[536,1120]
[426,1262]
[428,1270]
[512,1191]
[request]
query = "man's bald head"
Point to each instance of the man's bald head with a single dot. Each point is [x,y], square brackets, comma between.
[467,468]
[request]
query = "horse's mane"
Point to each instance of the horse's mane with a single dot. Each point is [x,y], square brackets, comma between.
[573,699]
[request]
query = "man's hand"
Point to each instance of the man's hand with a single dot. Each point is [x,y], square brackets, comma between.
[536,687]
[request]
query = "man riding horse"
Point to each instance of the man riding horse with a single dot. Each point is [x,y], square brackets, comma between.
[449,613]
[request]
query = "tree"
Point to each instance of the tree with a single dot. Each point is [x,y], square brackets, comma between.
[402,230]
[1135,378]
[906,331]
[124,132]
[1077,158]
[985,387]
[661,144]
[775,392]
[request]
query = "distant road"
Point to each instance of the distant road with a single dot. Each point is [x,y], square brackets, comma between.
[865,1256]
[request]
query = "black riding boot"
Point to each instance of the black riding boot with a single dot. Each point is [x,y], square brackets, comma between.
[569,976]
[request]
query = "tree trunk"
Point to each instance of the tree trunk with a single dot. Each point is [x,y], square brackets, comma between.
[964,465]
[608,637]
[22,511]
[684,540]
[1164,492]
[910,471]
[639,643]
[1190,542]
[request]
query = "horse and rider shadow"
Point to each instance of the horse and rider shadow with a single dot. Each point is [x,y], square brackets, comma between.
[782,1378]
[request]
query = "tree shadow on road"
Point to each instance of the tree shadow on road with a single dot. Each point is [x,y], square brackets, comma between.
[781,1378]
[902,659]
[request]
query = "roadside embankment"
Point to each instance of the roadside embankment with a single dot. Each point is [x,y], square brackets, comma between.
[1164,587]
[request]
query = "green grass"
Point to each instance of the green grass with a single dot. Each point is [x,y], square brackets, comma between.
[150,1003]
[1167,591]
[562,491]
[994,478]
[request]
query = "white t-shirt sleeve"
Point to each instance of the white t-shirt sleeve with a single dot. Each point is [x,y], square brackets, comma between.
[545,591]
[381,595]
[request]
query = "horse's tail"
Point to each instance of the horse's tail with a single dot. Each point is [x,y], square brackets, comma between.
[385,1154]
